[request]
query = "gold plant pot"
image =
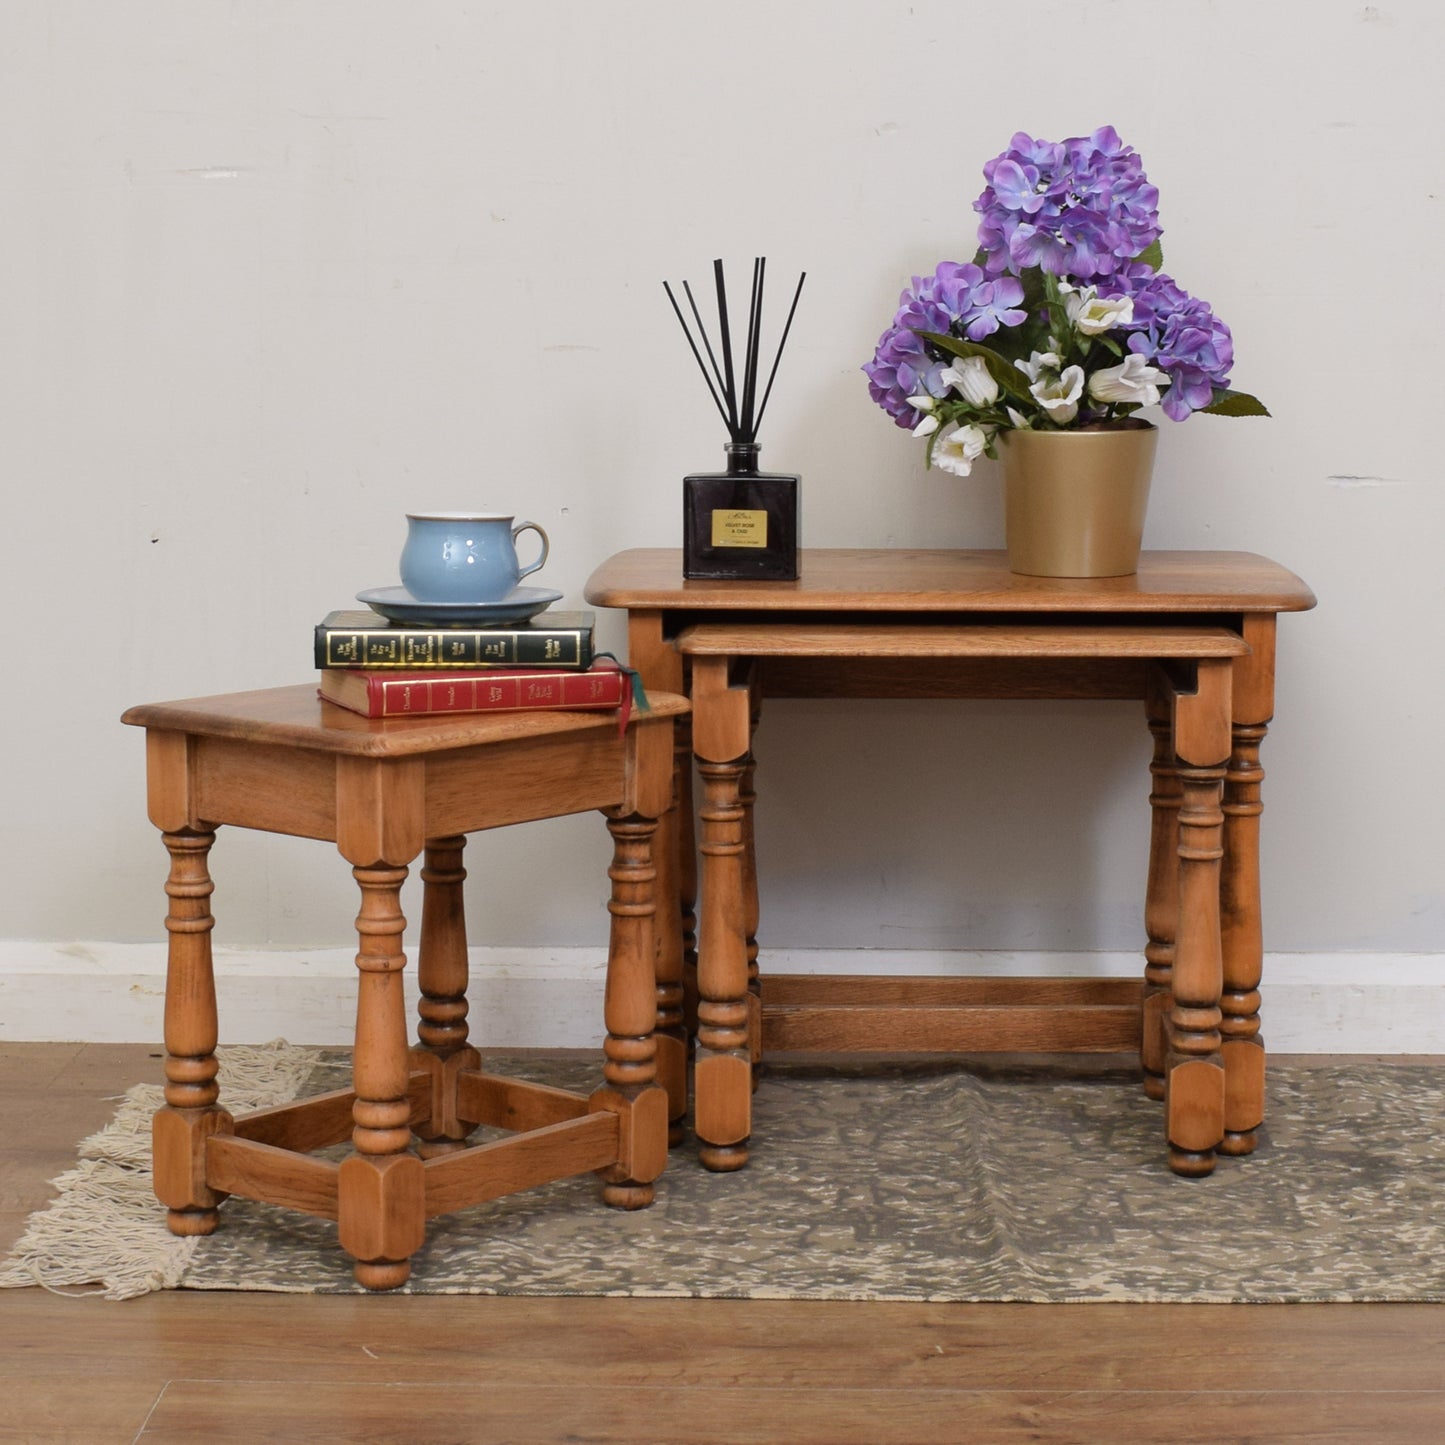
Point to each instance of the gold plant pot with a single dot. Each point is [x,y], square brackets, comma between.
[1074,501]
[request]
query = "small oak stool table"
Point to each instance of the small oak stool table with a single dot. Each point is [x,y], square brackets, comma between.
[384,791]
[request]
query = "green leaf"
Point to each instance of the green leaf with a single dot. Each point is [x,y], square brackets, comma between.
[1009,378]
[1234,403]
[928,446]
[1054,302]
[1035,290]
[1152,255]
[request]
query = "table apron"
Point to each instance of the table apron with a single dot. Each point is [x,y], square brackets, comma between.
[941,677]
[292,791]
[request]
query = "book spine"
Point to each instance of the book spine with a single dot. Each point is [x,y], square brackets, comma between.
[446,647]
[413,697]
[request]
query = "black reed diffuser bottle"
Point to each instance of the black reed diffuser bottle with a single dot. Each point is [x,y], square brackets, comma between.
[741,524]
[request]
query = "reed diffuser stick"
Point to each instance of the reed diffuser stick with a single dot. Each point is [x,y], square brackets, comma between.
[726,342]
[702,331]
[711,388]
[738,405]
[787,327]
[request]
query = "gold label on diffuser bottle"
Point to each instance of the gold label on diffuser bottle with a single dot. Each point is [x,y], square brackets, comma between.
[739,528]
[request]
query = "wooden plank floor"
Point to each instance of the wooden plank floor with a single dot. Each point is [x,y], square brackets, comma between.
[189,1367]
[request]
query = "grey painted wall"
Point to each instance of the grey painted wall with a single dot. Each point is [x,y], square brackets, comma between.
[272,274]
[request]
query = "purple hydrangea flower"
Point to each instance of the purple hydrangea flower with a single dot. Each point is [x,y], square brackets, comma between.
[928,304]
[1153,293]
[1016,186]
[959,298]
[901,366]
[1080,208]
[1046,155]
[1181,335]
[900,369]
[979,304]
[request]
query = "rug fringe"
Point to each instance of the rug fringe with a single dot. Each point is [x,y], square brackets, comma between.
[105,1227]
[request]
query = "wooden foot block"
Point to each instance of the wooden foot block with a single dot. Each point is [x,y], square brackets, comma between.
[381,1215]
[1153,1043]
[1194,1113]
[178,1145]
[722,1097]
[443,1124]
[641,1134]
[1244,1064]
[672,1075]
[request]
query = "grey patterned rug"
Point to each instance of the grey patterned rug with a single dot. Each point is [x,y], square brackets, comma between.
[917,1181]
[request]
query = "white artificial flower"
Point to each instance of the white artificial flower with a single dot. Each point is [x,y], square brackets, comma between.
[1092,314]
[1038,361]
[1059,395]
[1018,418]
[958,446]
[926,404]
[971,378]
[1133,380]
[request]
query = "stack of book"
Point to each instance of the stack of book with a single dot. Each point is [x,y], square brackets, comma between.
[387,669]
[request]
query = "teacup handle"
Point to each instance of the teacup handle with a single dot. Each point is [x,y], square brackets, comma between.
[541,556]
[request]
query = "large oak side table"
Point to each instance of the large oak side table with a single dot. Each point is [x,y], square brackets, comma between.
[1192,635]
[385,791]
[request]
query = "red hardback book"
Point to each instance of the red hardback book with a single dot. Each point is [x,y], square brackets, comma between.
[416,694]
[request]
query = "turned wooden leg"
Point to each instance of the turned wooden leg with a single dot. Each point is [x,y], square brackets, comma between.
[631,1090]
[381,1194]
[1243,944]
[443,1051]
[722,1082]
[1161,905]
[747,798]
[191,1114]
[1194,1100]
[685,832]
[673,931]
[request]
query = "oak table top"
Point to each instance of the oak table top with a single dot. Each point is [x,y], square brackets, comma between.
[297,717]
[952,580]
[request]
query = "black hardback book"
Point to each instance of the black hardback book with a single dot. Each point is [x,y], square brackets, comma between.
[364,639]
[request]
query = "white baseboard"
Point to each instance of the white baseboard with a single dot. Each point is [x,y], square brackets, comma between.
[552,998]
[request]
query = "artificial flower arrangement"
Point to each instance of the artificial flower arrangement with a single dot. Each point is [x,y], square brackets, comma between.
[1062,320]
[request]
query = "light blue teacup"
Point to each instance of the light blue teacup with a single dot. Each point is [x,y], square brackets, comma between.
[466,557]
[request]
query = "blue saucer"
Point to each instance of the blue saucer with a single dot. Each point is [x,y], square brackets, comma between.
[396,604]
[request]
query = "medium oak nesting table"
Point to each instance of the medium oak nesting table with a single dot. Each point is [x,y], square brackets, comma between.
[1191,635]
[384,791]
